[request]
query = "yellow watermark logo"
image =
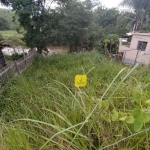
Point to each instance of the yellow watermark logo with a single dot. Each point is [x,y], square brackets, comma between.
[80,80]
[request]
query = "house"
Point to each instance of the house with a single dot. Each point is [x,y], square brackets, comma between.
[135,48]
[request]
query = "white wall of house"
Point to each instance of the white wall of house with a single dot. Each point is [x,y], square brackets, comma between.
[10,50]
[132,54]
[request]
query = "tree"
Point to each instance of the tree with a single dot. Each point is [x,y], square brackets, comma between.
[107,18]
[141,9]
[3,24]
[125,22]
[67,24]
[111,43]
[30,14]
[136,4]
[75,23]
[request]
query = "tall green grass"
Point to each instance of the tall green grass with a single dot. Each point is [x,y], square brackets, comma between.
[42,109]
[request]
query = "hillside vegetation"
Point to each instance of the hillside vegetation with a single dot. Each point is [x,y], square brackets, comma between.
[42,109]
[8,20]
[10,34]
[9,24]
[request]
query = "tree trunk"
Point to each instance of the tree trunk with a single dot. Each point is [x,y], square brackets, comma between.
[14,49]
[39,50]
[140,19]
[72,48]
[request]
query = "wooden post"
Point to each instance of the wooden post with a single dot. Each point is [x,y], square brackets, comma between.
[136,57]
[16,67]
[2,59]
[124,53]
[1,81]
[24,58]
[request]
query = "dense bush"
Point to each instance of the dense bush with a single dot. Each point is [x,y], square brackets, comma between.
[13,57]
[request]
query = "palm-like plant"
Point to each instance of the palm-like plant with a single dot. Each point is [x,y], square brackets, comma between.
[141,9]
[136,4]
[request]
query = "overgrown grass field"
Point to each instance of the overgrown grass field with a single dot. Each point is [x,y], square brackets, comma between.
[42,109]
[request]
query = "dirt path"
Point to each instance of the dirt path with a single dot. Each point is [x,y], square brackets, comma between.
[57,49]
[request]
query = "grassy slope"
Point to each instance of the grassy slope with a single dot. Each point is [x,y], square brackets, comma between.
[45,98]
[10,33]
[8,16]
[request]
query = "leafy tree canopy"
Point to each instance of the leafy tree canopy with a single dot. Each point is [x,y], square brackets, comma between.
[72,23]
[142,11]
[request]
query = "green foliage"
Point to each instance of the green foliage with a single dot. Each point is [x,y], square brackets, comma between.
[108,16]
[1,38]
[3,24]
[146,116]
[8,20]
[111,43]
[140,112]
[13,42]
[75,23]
[115,115]
[141,9]
[112,24]
[136,4]
[10,33]
[125,23]
[30,17]
[130,120]
[138,125]
[45,109]
[71,23]
[137,113]
[16,56]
